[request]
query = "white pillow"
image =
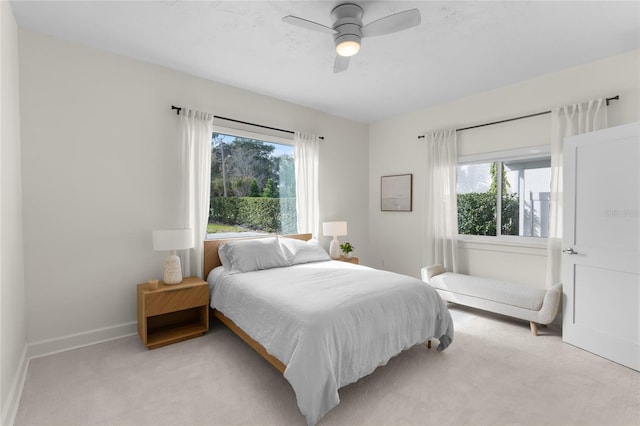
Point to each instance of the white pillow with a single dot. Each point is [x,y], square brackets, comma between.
[252,255]
[298,251]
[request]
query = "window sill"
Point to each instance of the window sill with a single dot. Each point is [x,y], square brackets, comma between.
[231,235]
[523,245]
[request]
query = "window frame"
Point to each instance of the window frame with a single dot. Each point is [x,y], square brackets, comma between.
[263,136]
[529,153]
[266,136]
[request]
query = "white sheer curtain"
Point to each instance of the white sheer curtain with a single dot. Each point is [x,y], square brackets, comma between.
[306,153]
[196,129]
[441,209]
[566,121]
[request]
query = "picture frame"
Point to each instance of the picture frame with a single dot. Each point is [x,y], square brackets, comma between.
[396,193]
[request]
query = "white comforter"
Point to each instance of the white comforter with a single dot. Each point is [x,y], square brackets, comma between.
[330,323]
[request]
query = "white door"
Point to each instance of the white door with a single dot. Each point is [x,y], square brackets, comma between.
[600,273]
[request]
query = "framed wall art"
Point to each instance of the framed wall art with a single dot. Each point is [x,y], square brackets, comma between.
[396,193]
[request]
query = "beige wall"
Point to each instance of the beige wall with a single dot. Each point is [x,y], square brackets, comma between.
[100,173]
[397,238]
[12,285]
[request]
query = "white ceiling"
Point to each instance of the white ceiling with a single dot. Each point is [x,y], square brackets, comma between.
[461,48]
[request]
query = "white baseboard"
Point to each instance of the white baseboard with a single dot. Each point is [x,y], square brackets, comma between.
[52,346]
[78,340]
[10,406]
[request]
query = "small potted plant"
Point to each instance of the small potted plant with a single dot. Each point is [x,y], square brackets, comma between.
[347,248]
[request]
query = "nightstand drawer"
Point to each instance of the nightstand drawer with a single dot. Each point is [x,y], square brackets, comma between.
[175,300]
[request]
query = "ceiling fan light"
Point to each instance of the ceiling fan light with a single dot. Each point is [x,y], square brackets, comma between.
[348,48]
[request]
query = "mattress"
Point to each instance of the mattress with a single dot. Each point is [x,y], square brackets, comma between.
[331,322]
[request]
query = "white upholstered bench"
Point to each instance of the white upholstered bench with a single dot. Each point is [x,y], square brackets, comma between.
[531,304]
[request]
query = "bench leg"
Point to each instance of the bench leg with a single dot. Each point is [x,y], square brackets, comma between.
[534,328]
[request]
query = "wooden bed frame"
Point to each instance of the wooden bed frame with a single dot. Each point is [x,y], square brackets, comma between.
[212,260]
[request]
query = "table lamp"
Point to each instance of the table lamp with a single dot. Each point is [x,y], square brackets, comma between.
[334,229]
[172,240]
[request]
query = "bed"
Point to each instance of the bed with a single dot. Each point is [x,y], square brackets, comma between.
[323,323]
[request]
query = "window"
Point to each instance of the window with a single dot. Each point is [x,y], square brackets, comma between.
[252,186]
[517,188]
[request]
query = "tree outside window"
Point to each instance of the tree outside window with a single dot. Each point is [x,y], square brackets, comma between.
[252,186]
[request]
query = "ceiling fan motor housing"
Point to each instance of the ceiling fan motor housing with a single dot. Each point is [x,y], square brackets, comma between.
[347,21]
[348,31]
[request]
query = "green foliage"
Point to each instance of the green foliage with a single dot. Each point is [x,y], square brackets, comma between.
[240,186]
[241,161]
[254,190]
[256,213]
[477,210]
[493,170]
[255,179]
[510,214]
[347,247]
[477,214]
[216,187]
[270,190]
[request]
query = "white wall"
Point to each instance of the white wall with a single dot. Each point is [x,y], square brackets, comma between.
[396,238]
[100,173]
[12,293]
[99,168]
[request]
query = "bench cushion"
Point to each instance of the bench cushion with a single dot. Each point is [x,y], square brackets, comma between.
[484,288]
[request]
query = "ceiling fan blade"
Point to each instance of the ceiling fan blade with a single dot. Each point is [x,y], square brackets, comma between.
[392,23]
[309,25]
[341,63]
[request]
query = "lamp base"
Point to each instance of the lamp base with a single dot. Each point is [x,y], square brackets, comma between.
[172,270]
[334,248]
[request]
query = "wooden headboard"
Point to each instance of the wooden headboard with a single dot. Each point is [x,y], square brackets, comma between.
[211,258]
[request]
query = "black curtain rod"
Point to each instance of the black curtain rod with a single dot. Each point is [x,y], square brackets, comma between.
[614,98]
[245,122]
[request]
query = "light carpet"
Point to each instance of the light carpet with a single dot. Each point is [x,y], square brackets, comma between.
[494,373]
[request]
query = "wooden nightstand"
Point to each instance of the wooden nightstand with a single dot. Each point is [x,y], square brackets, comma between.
[352,259]
[172,313]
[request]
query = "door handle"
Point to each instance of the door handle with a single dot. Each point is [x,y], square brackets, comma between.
[569,250]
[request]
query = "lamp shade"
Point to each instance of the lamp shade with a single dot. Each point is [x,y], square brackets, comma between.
[172,239]
[334,229]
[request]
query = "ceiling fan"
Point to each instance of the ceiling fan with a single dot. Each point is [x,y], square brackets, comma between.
[348,31]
